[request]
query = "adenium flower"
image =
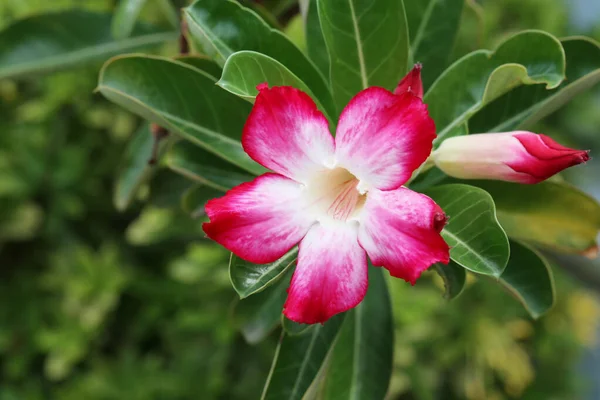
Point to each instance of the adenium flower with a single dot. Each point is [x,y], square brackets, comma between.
[340,198]
[519,156]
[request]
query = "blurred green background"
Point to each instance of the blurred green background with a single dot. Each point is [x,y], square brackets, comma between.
[98,304]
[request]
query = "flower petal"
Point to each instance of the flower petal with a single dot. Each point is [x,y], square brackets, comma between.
[382,138]
[411,82]
[399,229]
[331,276]
[259,220]
[286,133]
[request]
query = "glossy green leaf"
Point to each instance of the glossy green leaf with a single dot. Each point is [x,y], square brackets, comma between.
[551,214]
[125,17]
[315,43]
[223,27]
[480,77]
[183,99]
[201,166]
[45,43]
[367,42]
[454,277]
[136,169]
[260,314]
[433,26]
[248,278]
[361,362]
[522,107]
[528,277]
[244,70]
[195,197]
[294,328]
[476,239]
[202,63]
[298,360]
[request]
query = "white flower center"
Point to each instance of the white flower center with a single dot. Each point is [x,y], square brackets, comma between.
[334,194]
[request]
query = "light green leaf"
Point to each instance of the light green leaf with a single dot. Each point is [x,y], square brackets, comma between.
[367,41]
[476,239]
[361,362]
[550,214]
[454,277]
[478,78]
[125,16]
[524,106]
[203,167]
[182,99]
[245,70]
[298,360]
[223,27]
[433,25]
[45,43]
[528,277]
[248,278]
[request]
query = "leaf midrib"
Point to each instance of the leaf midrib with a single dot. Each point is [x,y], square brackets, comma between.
[361,56]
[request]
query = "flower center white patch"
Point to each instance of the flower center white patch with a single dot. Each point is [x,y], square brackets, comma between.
[336,194]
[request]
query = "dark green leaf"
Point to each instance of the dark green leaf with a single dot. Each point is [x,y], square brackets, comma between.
[367,42]
[315,43]
[166,189]
[202,63]
[454,277]
[248,278]
[361,362]
[245,70]
[260,314]
[136,169]
[51,42]
[298,360]
[223,27]
[206,168]
[294,328]
[522,107]
[194,199]
[433,26]
[125,16]
[476,239]
[480,77]
[528,277]
[551,214]
[182,99]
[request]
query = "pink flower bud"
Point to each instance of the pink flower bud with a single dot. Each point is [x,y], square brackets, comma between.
[411,82]
[519,156]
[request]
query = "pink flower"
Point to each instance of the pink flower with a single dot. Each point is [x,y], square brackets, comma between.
[519,156]
[341,199]
[411,82]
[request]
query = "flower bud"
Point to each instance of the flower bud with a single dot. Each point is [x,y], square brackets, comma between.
[411,82]
[519,156]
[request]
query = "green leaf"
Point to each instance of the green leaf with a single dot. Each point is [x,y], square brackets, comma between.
[294,328]
[260,314]
[454,277]
[46,43]
[203,63]
[201,166]
[476,239]
[367,42]
[248,278]
[550,214]
[361,362]
[433,26]
[136,169]
[125,16]
[524,106]
[528,277]
[315,43]
[195,197]
[480,77]
[298,360]
[244,70]
[166,189]
[223,27]
[182,99]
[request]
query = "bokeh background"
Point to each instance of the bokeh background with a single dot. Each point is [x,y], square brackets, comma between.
[101,304]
